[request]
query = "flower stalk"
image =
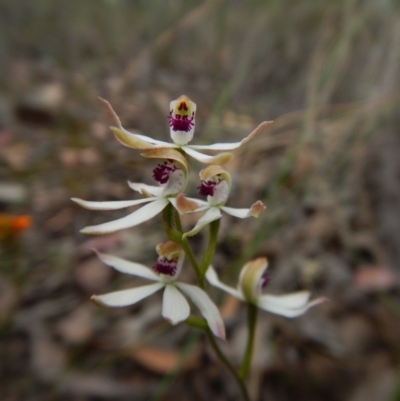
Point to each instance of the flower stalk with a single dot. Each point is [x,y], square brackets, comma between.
[248,355]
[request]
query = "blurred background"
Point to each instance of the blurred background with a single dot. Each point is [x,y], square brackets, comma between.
[327,73]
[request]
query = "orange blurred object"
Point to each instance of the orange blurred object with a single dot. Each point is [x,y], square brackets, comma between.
[11,226]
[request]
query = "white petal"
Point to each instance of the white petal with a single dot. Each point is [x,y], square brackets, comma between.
[221,158]
[212,214]
[175,184]
[181,137]
[186,205]
[124,266]
[142,138]
[137,141]
[291,305]
[156,142]
[139,216]
[126,297]
[207,308]
[112,205]
[221,193]
[151,189]
[234,145]
[240,213]
[213,279]
[175,308]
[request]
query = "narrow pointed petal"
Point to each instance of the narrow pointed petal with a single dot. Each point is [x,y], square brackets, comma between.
[291,305]
[175,308]
[213,279]
[212,214]
[139,216]
[240,213]
[206,307]
[112,205]
[133,141]
[221,158]
[142,141]
[175,204]
[126,297]
[234,145]
[254,211]
[151,189]
[111,111]
[124,266]
[188,205]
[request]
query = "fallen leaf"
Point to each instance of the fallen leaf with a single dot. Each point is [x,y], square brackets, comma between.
[229,307]
[78,326]
[93,275]
[48,359]
[371,278]
[103,387]
[163,361]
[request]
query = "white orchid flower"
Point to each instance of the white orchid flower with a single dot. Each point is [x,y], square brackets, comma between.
[216,185]
[172,175]
[253,280]
[175,307]
[182,123]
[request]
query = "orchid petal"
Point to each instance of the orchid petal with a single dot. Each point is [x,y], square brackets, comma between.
[234,145]
[139,216]
[124,266]
[175,184]
[162,144]
[221,158]
[127,138]
[169,154]
[189,205]
[136,141]
[111,205]
[177,206]
[213,279]
[175,308]
[151,189]
[240,213]
[250,279]
[126,297]
[212,214]
[207,308]
[291,305]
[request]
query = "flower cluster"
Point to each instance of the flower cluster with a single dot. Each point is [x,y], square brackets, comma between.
[171,175]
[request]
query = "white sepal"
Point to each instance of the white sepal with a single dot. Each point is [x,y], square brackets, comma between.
[213,279]
[126,297]
[139,216]
[124,266]
[234,145]
[110,205]
[207,308]
[291,305]
[212,214]
[175,308]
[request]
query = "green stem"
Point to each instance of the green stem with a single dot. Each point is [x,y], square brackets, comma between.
[171,219]
[228,365]
[197,322]
[175,234]
[185,246]
[178,221]
[251,322]
[210,251]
